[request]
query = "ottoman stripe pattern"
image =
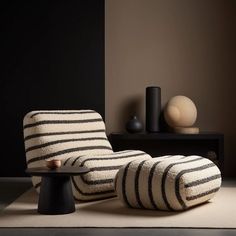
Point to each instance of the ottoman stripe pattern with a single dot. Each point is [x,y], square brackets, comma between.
[168,183]
[99,182]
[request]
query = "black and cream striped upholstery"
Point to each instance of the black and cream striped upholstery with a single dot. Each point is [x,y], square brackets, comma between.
[72,136]
[99,182]
[168,183]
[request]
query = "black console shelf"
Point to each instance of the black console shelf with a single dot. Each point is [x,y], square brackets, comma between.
[207,144]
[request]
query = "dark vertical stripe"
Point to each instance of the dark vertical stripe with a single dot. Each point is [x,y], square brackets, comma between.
[76,159]
[124,184]
[164,176]
[136,184]
[150,187]
[67,161]
[178,177]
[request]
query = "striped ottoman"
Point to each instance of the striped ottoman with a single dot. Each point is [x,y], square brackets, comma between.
[168,183]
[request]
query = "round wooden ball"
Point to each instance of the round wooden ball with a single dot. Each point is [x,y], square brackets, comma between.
[180,111]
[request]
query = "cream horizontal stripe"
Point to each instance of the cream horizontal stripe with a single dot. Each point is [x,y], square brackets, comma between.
[189,177]
[89,189]
[116,162]
[58,122]
[58,112]
[76,160]
[92,196]
[62,141]
[48,128]
[74,153]
[169,157]
[37,164]
[195,190]
[92,188]
[46,135]
[203,194]
[33,113]
[118,154]
[66,145]
[116,158]
[97,175]
[42,112]
[200,200]
[189,165]
[41,140]
[202,180]
[110,155]
[54,117]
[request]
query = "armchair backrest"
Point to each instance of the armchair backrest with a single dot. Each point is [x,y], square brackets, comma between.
[62,134]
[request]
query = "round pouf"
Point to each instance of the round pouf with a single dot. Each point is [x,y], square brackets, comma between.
[180,111]
[167,183]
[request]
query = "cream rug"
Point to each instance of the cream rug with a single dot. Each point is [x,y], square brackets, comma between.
[219,213]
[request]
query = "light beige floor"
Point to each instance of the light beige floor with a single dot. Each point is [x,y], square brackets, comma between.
[219,213]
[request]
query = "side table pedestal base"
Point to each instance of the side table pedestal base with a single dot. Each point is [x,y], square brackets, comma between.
[56,196]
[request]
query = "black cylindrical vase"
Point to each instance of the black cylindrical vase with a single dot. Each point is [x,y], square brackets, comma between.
[153,109]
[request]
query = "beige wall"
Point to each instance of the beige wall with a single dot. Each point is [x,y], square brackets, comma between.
[184,46]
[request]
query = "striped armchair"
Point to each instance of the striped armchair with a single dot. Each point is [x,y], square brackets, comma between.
[77,138]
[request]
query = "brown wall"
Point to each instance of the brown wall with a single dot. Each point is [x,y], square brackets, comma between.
[186,47]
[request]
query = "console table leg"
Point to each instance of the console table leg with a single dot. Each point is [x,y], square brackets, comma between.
[56,196]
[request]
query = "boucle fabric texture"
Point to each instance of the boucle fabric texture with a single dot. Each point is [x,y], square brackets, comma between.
[99,182]
[70,135]
[168,183]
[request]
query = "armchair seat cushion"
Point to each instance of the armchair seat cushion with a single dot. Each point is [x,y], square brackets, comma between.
[99,182]
[168,183]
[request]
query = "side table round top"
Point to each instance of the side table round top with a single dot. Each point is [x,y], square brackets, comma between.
[61,171]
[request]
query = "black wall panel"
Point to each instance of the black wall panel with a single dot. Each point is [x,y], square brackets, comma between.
[52,57]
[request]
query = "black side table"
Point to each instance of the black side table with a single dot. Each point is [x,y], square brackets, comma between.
[207,144]
[56,195]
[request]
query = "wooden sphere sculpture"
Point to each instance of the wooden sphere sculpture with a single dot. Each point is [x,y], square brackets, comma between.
[181,113]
